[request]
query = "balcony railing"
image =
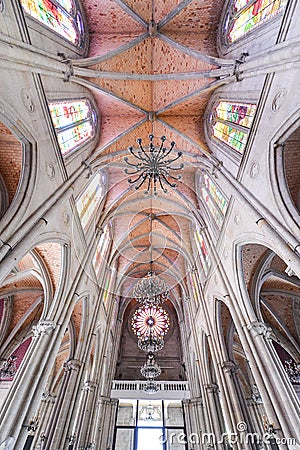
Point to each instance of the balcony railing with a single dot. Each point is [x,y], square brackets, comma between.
[176,390]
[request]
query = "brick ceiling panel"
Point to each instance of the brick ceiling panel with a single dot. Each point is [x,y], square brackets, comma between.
[135,60]
[198,17]
[107,17]
[138,93]
[101,44]
[167,92]
[167,59]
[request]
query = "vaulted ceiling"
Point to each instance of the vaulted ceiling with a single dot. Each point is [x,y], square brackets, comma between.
[154,38]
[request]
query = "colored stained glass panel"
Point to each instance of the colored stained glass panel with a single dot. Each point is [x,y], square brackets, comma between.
[202,251]
[54,17]
[239,113]
[216,194]
[154,318]
[231,136]
[217,216]
[257,13]
[68,5]
[89,201]
[239,4]
[195,287]
[71,138]
[67,113]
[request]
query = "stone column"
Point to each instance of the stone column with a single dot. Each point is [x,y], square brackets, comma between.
[56,424]
[25,394]
[106,418]
[86,414]
[194,422]
[279,398]
[216,431]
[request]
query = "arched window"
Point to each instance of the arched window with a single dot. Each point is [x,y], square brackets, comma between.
[74,122]
[246,15]
[213,198]
[61,16]
[89,201]
[231,123]
[202,251]
[195,287]
[101,250]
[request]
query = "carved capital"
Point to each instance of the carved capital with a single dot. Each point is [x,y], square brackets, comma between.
[229,367]
[260,329]
[72,364]
[89,386]
[43,327]
[211,388]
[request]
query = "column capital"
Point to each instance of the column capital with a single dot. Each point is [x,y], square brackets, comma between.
[89,386]
[260,329]
[212,387]
[44,326]
[72,364]
[229,367]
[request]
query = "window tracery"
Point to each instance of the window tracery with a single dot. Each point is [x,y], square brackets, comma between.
[246,15]
[231,123]
[74,122]
[89,201]
[202,251]
[61,16]
[212,196]
[101,249]
[152,317]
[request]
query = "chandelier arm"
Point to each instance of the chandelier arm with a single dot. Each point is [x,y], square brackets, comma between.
[172,185]
[131,164]
[175,178]
[137,179]
[170,161]
[142,182]
[132,173]
[177,168]
[134,154]
[161,185]
[169,151]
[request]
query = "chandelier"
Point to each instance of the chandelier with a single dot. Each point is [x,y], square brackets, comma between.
[150,369]
[150,387]
[8,368]
[153,165]
[151,290]
[154,319]
[150,343]
[293,370]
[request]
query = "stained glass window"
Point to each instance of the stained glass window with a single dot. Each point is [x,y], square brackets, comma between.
[108,287]
[202,251]
[213,198]
[101,250]
[152,317]
[89,200]
[74,122]
[231,122]
[246,15]
[195,287]
[61,16]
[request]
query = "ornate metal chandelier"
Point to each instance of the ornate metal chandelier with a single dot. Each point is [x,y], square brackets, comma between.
[150,369]
[153,165]
[151,387]
[151,290]
[293,370]
[8,368]
[150,343]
